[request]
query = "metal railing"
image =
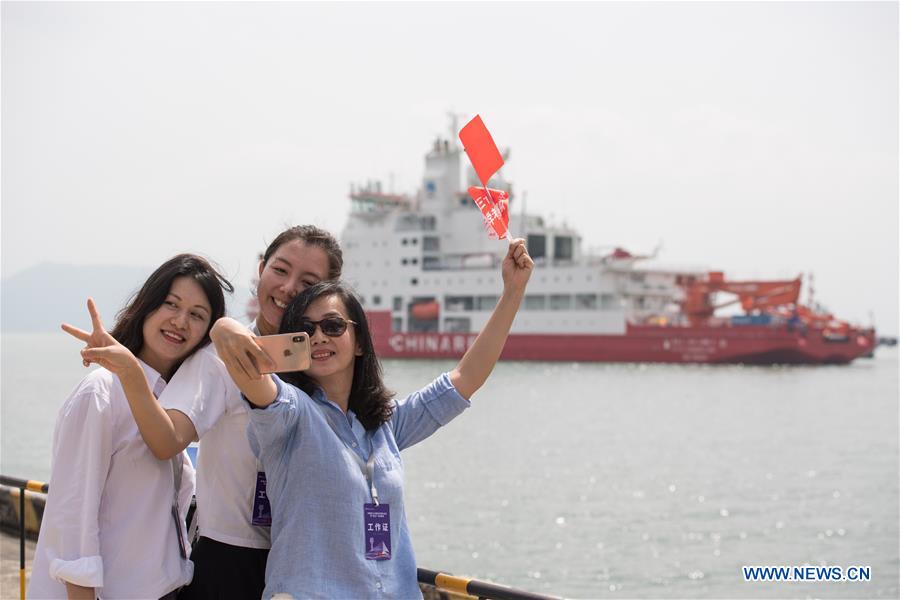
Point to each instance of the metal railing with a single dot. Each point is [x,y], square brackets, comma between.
[442,581]
[22,485]
[475,588]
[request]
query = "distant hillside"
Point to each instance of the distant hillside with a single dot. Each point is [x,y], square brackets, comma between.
[41,297]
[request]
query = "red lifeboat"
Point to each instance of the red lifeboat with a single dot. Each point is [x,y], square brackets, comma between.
[426,311]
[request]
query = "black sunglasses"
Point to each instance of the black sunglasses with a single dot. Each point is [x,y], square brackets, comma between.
[331,326]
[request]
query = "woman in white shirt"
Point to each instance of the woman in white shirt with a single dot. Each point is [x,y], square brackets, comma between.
[113,526]
[202,402]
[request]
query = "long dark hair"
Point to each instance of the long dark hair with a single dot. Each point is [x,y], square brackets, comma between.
[129,328]
[313,236]
[370,400]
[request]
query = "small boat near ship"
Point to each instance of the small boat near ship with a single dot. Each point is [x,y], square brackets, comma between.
[429,278]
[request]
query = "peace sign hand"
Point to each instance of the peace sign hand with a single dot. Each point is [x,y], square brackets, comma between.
[101,347]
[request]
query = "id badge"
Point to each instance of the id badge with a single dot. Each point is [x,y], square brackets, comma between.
[262,511]
[378,531]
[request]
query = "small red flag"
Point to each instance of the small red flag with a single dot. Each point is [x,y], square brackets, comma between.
[494,209]
[482,150]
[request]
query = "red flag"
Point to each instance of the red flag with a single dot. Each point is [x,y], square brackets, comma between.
[494,209]
[482,150]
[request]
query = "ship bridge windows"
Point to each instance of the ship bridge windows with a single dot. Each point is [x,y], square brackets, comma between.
[431,263]
[560,301]
[563,247]
[585,301]
[412,221]
[457,325]
[486,302]
[537,245]
[457,303]
[535,302]
[407,222]
[431,243]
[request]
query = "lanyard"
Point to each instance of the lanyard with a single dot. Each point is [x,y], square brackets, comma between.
[177,463]
[177,468]
[367,467]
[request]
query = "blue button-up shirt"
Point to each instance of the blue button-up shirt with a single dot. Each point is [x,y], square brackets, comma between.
[317,490]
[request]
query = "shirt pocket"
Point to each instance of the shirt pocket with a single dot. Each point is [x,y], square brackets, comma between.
[387,460]
[389,477]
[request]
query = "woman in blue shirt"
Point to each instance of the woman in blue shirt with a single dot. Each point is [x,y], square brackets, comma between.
[330,439]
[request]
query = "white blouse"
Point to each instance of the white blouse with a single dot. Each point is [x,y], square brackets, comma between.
[227,469]
[108,519]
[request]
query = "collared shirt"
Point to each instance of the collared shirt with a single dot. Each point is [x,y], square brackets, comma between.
[203,390]
[108,521]
[317,491]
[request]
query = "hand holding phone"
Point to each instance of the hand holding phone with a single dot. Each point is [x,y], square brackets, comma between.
[288,352]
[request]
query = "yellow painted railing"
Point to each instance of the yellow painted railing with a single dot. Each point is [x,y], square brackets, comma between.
[460,586]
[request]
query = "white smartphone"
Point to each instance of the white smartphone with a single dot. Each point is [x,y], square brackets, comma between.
[289,351]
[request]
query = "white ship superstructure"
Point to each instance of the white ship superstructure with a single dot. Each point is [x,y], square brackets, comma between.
[427,259]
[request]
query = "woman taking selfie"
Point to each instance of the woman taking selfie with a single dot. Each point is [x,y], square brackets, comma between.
[202,402]
[330,438]
[113,526]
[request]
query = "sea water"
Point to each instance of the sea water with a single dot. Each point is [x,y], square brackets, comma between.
[613,481]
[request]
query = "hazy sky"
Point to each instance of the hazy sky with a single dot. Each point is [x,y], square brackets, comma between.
[760,139]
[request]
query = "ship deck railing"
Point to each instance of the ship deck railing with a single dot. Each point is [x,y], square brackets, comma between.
[444,584]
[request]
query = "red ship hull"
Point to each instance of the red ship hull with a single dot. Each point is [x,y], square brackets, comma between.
[712,344]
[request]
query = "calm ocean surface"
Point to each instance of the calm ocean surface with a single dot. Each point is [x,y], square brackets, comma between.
[589,480]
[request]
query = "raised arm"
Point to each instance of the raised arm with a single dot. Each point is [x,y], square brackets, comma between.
[259,389]
[238,349]
[166,433]
[479,360]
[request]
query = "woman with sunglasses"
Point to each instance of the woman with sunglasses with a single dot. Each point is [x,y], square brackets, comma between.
[330,441]
[202,402]
[113,526]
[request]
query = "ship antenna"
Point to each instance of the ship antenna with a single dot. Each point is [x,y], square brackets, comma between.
[812,290]
[454,125]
